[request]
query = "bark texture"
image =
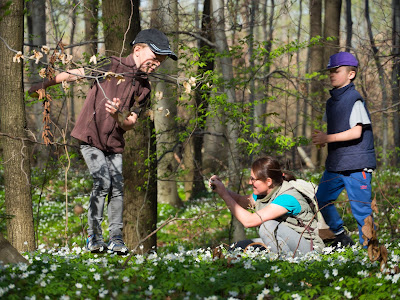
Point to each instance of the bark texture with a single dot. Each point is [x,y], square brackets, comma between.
[17,182]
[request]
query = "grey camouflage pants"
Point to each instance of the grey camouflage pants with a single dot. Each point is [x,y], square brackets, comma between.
[106,171]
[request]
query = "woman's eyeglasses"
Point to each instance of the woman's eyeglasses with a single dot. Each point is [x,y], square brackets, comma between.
[252,179]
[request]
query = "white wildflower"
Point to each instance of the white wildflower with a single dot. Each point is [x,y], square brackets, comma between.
[212,279]
[96,276]
[296,297]
[139,259]
[53,267]
[395,278]
[78,285]
[125,279]
[347,294]
[233,293]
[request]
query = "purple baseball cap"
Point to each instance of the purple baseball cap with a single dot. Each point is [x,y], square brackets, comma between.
[157,41]
[342,59]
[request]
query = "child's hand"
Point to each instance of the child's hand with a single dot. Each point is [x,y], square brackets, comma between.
[113,106]
[319,138]
[36,89]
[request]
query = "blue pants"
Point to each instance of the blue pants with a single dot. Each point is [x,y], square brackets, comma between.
[106,170]
[358,187]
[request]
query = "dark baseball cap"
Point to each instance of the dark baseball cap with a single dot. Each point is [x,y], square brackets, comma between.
[342,59]
[157,41]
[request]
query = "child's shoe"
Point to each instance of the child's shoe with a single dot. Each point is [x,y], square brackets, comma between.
[95,244]
[117,245]
[342,240]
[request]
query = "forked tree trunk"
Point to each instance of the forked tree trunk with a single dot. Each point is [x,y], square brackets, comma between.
[17,183]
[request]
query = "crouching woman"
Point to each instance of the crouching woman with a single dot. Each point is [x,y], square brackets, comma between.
[286,220]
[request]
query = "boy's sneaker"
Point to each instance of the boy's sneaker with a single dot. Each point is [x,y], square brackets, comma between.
[342,240]
[95,244]
[117,245]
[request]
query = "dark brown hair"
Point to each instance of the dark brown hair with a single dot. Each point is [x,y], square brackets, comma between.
[269,167]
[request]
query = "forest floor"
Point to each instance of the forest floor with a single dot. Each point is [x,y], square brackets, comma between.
[188,263]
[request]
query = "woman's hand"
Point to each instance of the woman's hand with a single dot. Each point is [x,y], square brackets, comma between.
[216,184]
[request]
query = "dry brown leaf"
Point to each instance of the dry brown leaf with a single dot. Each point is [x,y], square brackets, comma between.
[41,93]
[373,250]
[374,206]
[368,228]
[217,253]
[384,254]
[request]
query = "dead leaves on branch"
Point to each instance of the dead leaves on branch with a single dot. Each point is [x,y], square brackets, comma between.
[46,134]
[376,252]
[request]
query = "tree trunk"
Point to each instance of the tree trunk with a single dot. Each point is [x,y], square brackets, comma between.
[91,15]
[261,109]
[316,64]
[332,39]
[117,24]
[299,83]
[382,86]
[140,192]
[225,63]
[17,183]
[349,26]
[198,139]
[332,27]
[164,18]
[36,21]
[396,77]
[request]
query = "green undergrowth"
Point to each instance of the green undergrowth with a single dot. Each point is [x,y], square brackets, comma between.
[65,273]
